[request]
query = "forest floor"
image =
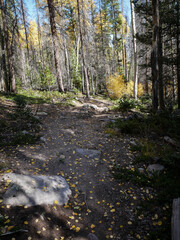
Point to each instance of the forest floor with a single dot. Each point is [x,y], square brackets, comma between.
[99,203]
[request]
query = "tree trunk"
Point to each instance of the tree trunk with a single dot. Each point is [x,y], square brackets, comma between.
[135,49]
[82,52]
[146,80]
[27,43]
[7,86]
[161,89]
[23,75]
[155,53]
[67,66]
[8,49]
[51,8]
[39,34]
[178,53]
[92,82]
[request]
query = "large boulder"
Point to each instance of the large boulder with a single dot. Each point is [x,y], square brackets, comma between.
[35,190]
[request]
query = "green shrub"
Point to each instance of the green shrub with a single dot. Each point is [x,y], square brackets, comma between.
[129,126]
[126,104]
[20,102]
[20,139]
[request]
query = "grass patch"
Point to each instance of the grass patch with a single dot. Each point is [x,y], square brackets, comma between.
[19,139]
[161,124]
[39,97]
[3,165]
[111,132]
[136,148]
[15,119]
[134,176]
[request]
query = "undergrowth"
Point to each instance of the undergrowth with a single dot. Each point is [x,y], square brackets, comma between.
[161,124]
[166,186]
[151,149]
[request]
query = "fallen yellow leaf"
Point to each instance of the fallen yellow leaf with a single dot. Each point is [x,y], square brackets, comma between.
[10,227]
[77,229]
[92,226]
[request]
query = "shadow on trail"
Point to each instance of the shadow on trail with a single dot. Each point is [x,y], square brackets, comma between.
[46,223]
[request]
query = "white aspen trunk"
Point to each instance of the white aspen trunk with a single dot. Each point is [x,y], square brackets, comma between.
[67,68]
[23,62]
[82,49]
[92,82]
[77,54]
[133,20]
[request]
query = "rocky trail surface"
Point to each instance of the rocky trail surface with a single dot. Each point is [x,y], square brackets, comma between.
[75,146]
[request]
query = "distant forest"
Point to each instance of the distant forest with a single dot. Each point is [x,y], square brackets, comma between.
[90,46]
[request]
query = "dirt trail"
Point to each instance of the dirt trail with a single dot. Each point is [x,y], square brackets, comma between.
[98,203]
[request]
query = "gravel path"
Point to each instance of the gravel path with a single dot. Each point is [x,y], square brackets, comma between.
[98,204]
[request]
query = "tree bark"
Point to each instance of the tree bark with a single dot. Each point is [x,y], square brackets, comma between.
[146,80]
[160,57]
[155,53]
[82,51]
[178,53]
[8,49]
[7,87]
[135,49]
[51,8]
[27,42]
[67,66]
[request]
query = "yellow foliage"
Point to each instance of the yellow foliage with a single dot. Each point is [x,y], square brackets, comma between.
[125,28]
[117,87]
[33,33]
[22,37]
[140,90]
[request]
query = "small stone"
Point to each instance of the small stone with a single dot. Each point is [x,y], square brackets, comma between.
[42,139]
[24,132]
[70,131]
[62,157]
[92,236]
[170,141]
[107,135]
[155,168]
[41,113]
[141,170]
[133,143]
[90,153]
[36,117]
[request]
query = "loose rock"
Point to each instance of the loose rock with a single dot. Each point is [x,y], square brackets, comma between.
[92,236]
[155,168]
[41,113]
[24,132]
[89,153]
[70,131]
[42,139]
[170,141]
